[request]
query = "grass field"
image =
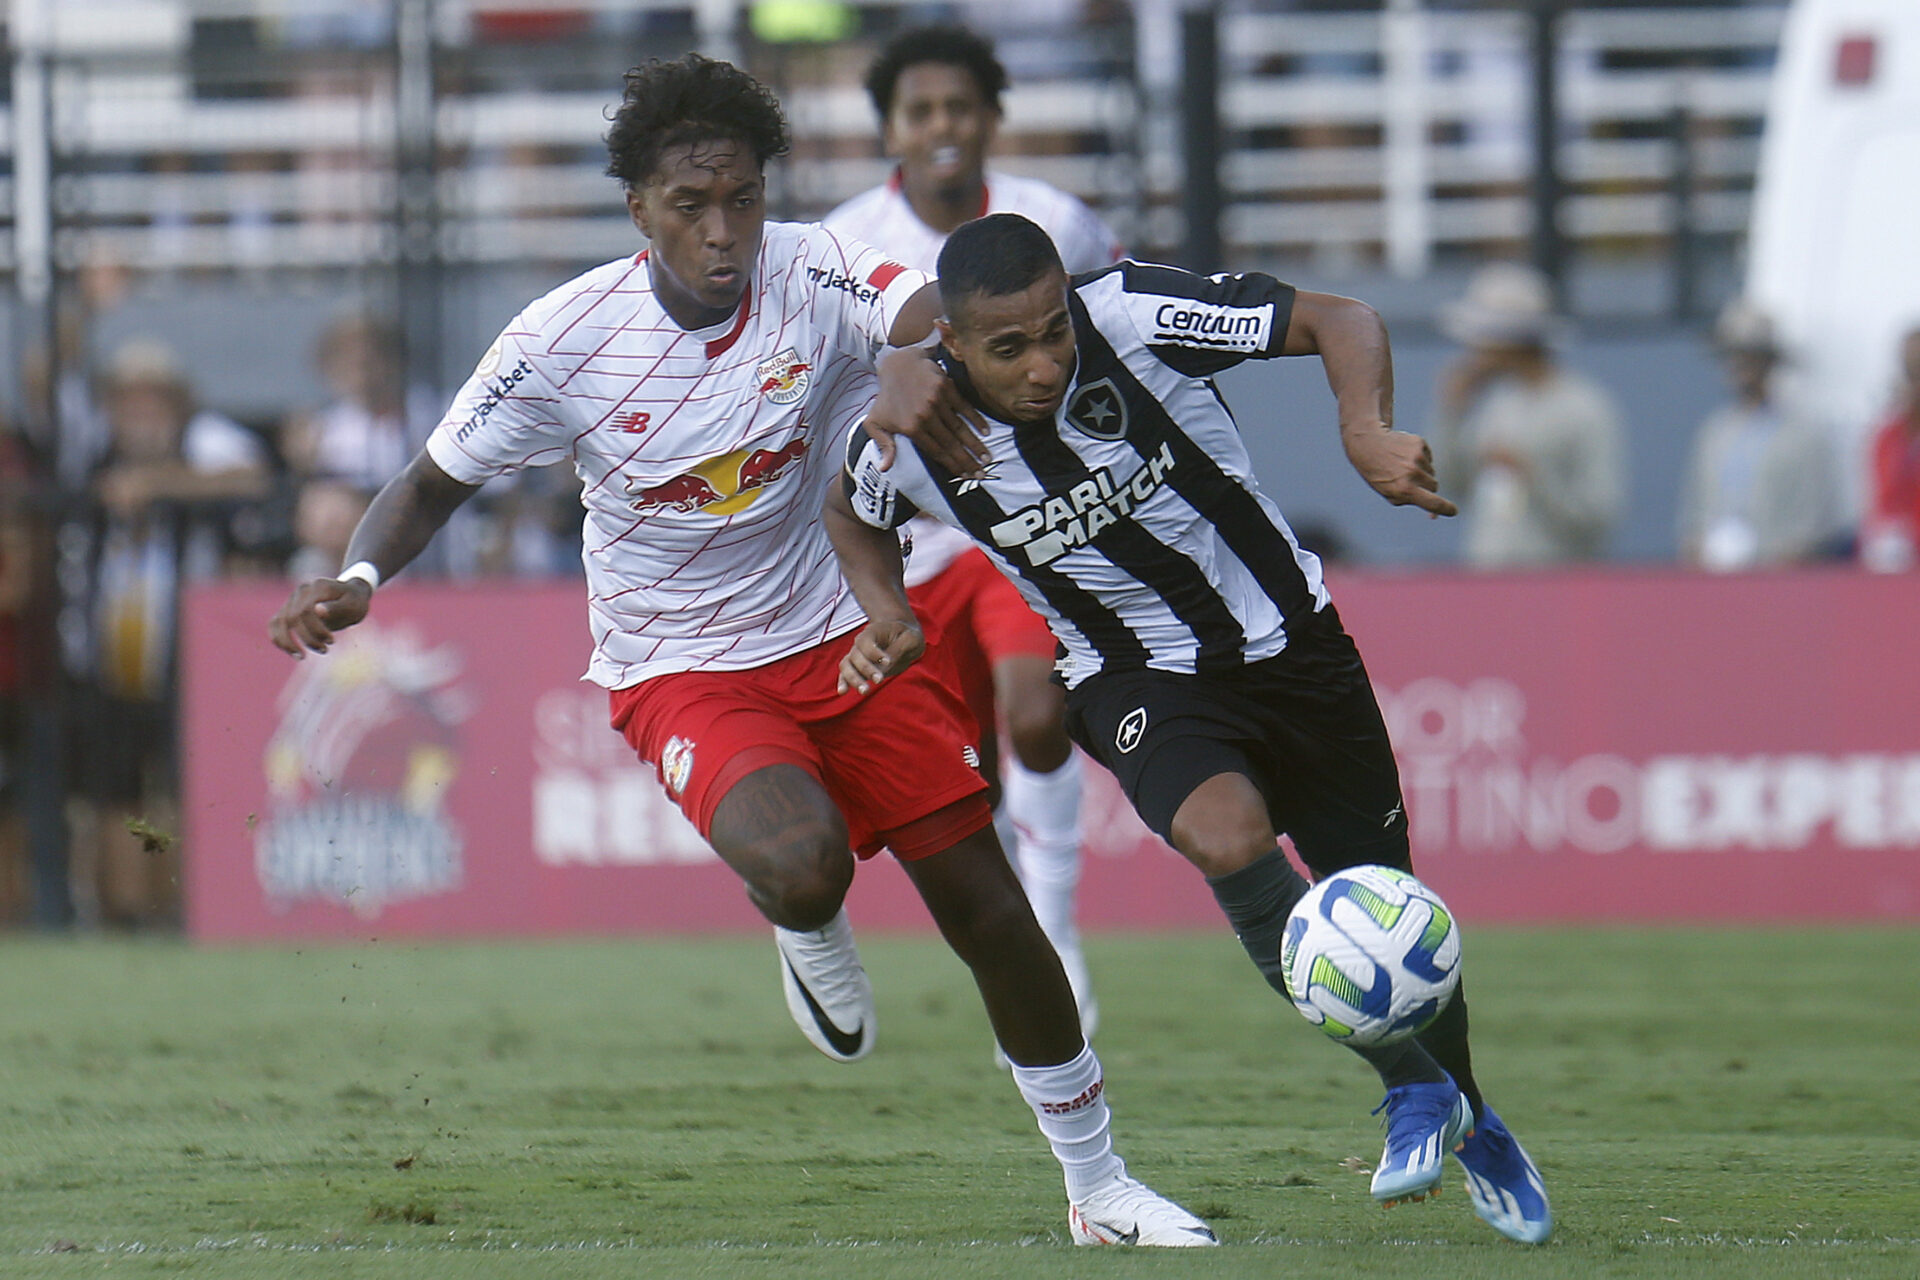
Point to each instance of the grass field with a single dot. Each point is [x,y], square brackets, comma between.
[1703,1104]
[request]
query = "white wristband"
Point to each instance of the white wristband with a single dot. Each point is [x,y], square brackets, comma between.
[361,571]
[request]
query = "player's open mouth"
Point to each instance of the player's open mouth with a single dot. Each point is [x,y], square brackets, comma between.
[944,157]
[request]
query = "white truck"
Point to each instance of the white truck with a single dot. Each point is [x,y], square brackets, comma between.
[1835,248]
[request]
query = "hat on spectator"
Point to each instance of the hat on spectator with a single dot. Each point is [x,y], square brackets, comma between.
[1744,329]
[145,362]
[1506,304]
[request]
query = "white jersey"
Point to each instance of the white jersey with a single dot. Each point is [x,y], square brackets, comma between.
[881,216]
[703,453]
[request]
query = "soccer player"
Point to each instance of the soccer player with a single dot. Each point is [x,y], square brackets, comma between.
[700,388]
[937,92]
[1205,663]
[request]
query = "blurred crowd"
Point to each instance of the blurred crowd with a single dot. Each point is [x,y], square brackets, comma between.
[134,487]
[1535,451]
[150,489]
[147,490]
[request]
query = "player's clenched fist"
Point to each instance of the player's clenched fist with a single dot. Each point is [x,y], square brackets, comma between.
[316,609]
[881,649]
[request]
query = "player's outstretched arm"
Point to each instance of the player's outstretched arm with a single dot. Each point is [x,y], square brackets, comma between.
[1351,341]
[399,523]
[870,561]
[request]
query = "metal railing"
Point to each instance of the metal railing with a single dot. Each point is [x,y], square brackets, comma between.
[201,135]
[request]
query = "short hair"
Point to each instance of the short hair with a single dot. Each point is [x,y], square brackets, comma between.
[948,45]
[996,255]
[690,99]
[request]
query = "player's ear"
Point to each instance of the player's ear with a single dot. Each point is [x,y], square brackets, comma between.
[637,210]
[942,327]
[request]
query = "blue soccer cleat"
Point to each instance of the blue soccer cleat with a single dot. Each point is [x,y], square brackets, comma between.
[1424,1122]
[1505,1186]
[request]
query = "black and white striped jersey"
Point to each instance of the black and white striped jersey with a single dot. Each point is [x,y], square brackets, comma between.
[1133,522]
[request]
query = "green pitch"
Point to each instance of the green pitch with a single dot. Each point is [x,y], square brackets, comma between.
[1703,1104]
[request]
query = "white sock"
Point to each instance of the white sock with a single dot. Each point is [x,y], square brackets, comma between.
[1045,808]
[1070,1102]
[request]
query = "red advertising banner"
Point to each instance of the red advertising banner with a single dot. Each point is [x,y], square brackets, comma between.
[1604,745]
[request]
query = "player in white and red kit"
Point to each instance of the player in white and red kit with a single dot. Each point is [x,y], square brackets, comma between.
[937,92]
[698,389]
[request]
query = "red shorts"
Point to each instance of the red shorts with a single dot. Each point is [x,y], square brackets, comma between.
[901,764]
[980,618]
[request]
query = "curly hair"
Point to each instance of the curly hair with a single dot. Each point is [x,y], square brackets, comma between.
[690,99]
[949,46]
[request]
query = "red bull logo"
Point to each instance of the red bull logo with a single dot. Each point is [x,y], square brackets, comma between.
[722,485]
[785,378]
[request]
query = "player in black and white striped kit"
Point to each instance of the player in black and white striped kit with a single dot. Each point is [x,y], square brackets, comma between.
[1205,664]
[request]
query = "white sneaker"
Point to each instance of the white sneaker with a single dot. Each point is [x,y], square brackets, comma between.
[827,989]
[1124,1211]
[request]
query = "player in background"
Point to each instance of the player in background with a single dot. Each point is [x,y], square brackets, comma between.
[701,388]
[937,91]
[1205,663]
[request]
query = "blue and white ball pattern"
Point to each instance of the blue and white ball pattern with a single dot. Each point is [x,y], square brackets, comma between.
[1371,955]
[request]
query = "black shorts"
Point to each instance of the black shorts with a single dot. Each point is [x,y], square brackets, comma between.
[1303,727]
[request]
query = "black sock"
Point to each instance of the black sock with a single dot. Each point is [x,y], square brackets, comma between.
[1446,1039]
[1258,898]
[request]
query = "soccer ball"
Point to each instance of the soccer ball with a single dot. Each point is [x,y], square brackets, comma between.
[1371,955]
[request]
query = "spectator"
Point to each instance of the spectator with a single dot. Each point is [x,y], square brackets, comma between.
[17,582]
[363,434]
[1761,488]
[163,497]
[324,516]
[1890,534]
[1531,449]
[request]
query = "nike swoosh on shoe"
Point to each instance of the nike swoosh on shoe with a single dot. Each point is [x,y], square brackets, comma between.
[843,1042]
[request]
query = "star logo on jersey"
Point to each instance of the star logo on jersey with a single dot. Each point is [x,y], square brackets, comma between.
[1098,410]
[1132,728]
[722,485]
[785,378]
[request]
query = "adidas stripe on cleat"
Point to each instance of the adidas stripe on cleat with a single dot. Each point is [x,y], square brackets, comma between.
[1505,1187]
[1424,1123]
[827,989]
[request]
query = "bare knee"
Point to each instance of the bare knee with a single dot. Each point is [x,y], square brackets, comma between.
[1223,825]
[802,882]
[1035,711]
[783,836]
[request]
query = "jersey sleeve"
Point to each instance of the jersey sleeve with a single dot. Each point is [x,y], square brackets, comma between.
[1200,325]
[855,292]
[506,416]
[877,495]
